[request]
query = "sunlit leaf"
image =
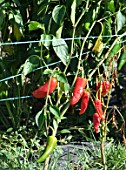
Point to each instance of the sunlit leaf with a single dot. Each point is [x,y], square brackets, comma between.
[46,40]
[65,131]
[34,25]
[73,12]
[47,71]
[120,21]
[55,124]
[61,49]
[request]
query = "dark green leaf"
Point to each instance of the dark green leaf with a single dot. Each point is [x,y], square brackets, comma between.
[55,111]
[61,49]
[58,14]
[62,78]
[39,119]
[16,2]
[1,18]
[30,64]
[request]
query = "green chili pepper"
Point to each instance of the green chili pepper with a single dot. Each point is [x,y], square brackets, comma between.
[51,143]
[122,60]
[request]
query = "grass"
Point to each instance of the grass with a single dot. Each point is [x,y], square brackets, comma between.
[17,153]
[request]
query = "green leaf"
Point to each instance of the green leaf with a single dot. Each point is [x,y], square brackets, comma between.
[30,64]
[17,2]
[73,12]
[58,14]
[61,49]
[39,119]
[18,18]
[122,60]
[47,71]
[66,88]
[55,124]
[17,32]
[120,21]
[34,25]
[62,78]
[1,18]
[110,5]
[46,40]
[115,49]
[65,131]
[55,111]
[59,31]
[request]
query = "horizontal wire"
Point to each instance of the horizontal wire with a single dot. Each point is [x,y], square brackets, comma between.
[58,39]
[11,77]
[15,98]
[24,97]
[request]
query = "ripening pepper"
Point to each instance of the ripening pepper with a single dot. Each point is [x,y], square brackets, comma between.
[98,107]
[48,87]
[96,121]
[84,102]
[104,86]
[78,90]
[51,144]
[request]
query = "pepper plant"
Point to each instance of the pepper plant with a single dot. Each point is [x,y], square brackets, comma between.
[92,48]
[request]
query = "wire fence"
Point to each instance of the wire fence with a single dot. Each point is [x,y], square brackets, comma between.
[51,64]
[59,39]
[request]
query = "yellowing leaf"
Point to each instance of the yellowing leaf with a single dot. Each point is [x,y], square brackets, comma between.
[8,49]
[98,44]
[17,32]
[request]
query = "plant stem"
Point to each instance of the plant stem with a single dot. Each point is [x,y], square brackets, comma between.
[81,51]
[73,35]
[103,145]
[46,163]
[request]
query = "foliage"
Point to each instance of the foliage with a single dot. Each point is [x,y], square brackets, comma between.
[18,153]
[97,55]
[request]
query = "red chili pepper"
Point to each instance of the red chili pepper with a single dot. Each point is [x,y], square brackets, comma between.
[84,102]
[105,87]
[96,121]
[48,87]
[98,107]
[78,90]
